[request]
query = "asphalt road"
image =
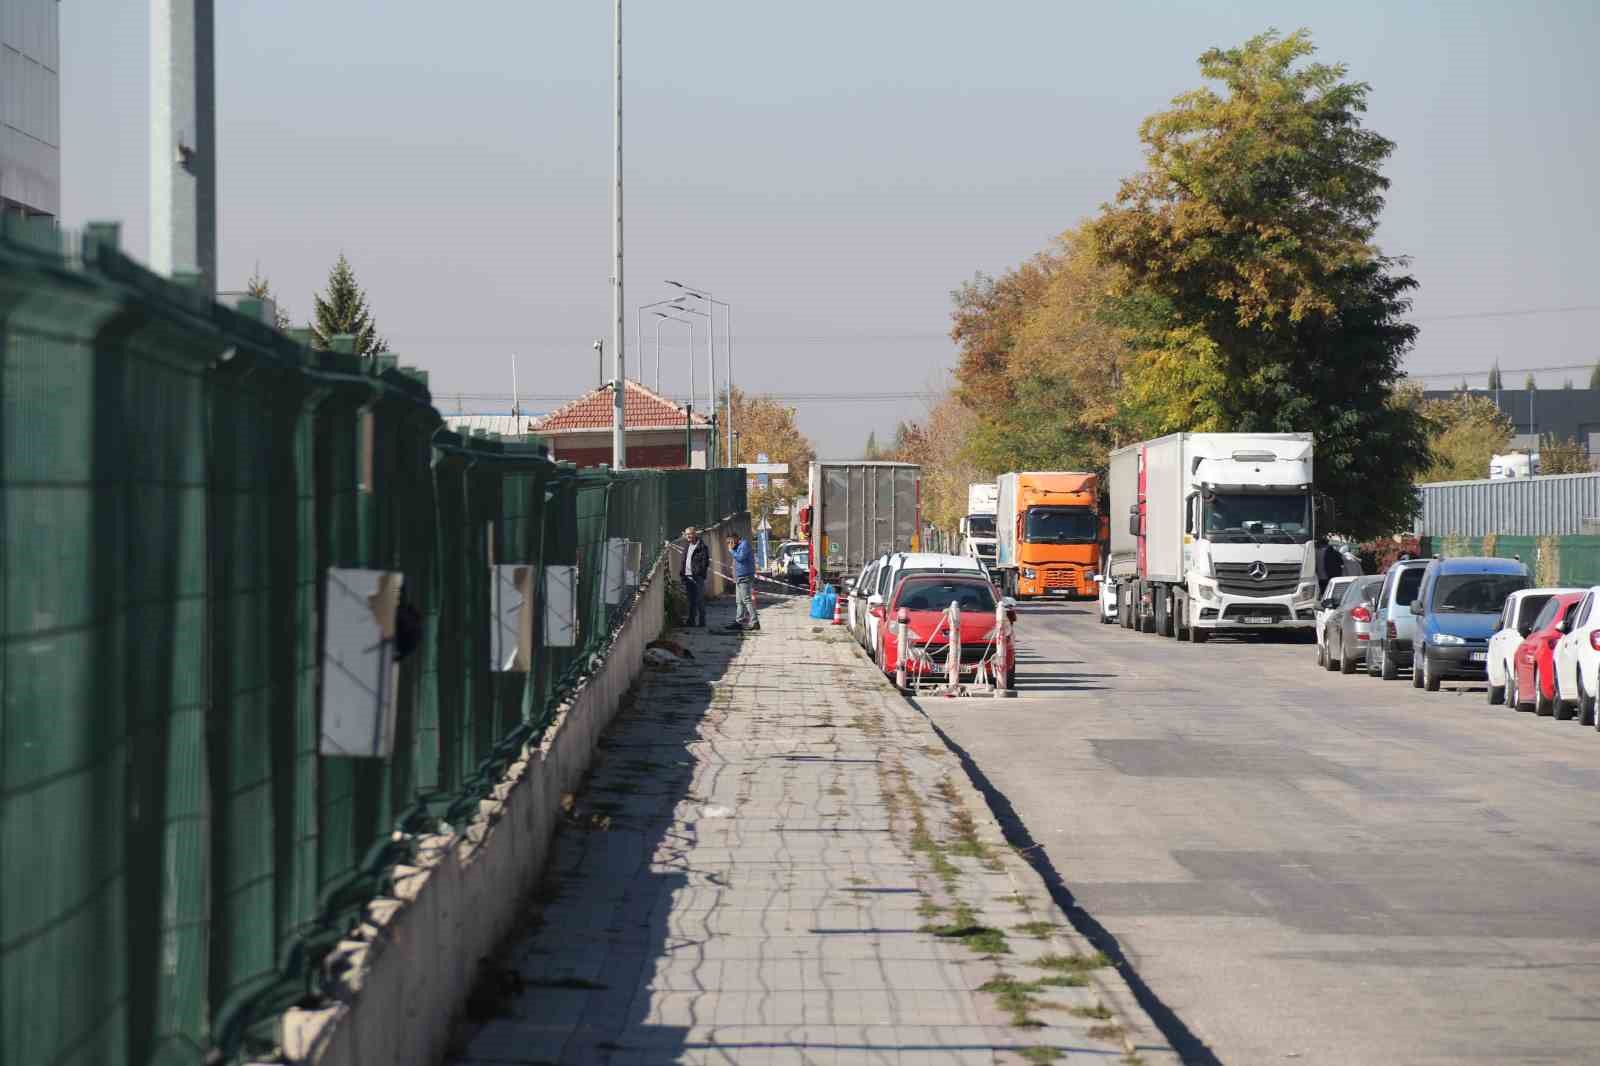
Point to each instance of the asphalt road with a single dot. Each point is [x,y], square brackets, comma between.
[1306,867]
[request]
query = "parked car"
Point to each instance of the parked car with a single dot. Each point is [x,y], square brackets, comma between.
[1389,650]
[1107,599]
[1457,610]
[1531,685]
[856,606]
[926,597]
[792,563]
[1577,662]
[1348,630]
[904,564]
[1332,594]
[1516,623]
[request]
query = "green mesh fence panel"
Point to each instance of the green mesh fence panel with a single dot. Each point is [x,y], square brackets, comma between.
[175,481]
[1577,560]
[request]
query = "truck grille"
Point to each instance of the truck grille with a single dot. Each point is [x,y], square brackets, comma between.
[1280,579]
[1239,612]
[1060,577]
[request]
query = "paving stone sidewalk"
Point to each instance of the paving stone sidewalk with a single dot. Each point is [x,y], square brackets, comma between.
[777,861]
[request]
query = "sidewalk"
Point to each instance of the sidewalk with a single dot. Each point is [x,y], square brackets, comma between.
[777,861]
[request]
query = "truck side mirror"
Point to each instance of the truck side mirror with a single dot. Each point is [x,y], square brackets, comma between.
[1133,524]
[1416,608]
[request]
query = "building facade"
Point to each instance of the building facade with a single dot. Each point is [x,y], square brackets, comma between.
[30,107]
[1565,414]
[660,434]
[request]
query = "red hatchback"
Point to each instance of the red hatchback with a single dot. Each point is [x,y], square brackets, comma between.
[1531,685]
[925,599]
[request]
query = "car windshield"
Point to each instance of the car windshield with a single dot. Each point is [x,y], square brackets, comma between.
[1547,615]
[1241,517]
[1531,608]
[1361,590]
[1475,593]
[1406,585]
[923,594]
[1062,525]
[980,525]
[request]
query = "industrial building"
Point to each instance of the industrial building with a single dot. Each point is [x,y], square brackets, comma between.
[30,108]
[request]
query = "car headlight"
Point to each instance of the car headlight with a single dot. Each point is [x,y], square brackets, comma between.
[1306,592]
[1029,574]
[1205,591]
[1447,638]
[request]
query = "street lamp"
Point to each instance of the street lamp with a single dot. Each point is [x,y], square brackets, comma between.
[711,363]
[727,348]
[688,411]
[638,340]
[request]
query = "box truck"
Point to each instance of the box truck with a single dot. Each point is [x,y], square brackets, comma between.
[977,528]
[859,511]
[1212,532]
[1047,533]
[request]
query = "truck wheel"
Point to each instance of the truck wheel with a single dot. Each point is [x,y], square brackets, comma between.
[1161,620]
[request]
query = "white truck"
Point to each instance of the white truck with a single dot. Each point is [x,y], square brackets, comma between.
[977,528]
[1213,532]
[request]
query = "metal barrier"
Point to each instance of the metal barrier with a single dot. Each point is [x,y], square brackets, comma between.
[178,481]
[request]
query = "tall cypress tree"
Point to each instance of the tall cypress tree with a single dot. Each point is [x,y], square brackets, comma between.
[343,309]
[1494,377]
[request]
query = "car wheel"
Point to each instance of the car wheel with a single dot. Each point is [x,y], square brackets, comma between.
[1347,662]
[1497,693]
[1390,672]
[1512,699]
[1561,710]
[1373,661]
[1543,706]
[1430,680]
[1323,654]
[1586,704]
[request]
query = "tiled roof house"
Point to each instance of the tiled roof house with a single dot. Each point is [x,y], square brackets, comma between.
[658,433]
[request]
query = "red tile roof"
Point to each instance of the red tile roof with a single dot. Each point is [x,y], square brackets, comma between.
[643,409]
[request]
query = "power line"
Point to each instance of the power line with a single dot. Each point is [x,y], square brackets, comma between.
[1574,309]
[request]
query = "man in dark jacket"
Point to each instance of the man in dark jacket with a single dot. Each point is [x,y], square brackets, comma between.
[696,564]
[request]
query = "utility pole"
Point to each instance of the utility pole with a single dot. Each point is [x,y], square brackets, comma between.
[183,139]
[619,447]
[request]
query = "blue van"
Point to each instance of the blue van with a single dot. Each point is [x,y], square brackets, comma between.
[1458,609]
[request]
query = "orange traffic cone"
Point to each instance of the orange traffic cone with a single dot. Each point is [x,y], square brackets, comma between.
[838,612]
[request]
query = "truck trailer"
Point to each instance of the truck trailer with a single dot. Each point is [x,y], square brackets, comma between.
[1047,532]
[1212,532]
[859,511]
[977,528]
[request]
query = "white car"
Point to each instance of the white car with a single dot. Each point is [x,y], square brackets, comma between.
[1332,593]
[1108,598]
[1516,622]
[893,567]
[856,616]
[1577,656]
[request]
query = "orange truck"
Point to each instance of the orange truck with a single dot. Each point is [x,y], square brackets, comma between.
[1048,533]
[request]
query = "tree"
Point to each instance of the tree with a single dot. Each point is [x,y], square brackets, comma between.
[1464,431]
[1529,383]
[1567,384]
[1562,456]
[343,309]
[937,445]
[1494,377]
[259,287]
[1247,244]
[872,453]
[1594,377]
[768,428]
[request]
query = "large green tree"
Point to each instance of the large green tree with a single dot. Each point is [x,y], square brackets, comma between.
[342,308]
[1248,241]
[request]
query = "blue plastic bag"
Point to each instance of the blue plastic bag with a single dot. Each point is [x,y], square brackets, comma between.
[822,603]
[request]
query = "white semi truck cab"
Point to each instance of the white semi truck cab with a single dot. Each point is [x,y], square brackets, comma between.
[1214,532]
[977,528]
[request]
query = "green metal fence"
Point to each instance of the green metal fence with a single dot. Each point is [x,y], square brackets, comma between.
[176,479]
[1555,561]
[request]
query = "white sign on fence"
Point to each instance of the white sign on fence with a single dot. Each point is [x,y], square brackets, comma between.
[560,606]
[615,571]
[511,622]
[359,672]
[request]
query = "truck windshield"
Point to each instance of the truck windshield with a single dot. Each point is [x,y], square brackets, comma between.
[1061,525]
[980,525]
[1261,517]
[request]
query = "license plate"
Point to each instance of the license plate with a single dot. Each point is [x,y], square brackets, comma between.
[1257,620]
[1480,656]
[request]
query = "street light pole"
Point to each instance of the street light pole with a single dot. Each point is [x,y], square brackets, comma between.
[638,341]
[688,417]
[727,351]
[711,368]
[619,448]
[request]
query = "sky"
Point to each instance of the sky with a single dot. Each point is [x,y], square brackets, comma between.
[832,170]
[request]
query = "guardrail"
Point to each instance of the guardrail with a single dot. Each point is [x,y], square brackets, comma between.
[189,498]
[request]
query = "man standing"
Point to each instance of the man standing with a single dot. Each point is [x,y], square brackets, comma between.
[696,563]
[744,582]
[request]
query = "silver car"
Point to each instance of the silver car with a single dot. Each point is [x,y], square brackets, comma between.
[1393,624]
[1347,632]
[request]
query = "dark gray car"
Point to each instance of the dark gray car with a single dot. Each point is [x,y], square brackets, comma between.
[1389,650]
[1348,629]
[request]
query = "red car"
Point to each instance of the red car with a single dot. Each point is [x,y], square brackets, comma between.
[1531,685]
[925,598]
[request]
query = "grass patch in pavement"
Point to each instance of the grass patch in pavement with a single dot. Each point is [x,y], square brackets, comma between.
[1097,1012]
[1069,980]
[1040,1054]
[1074,964]
[1106,1032]
[965,927]
[1039,930]
[1015,998]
